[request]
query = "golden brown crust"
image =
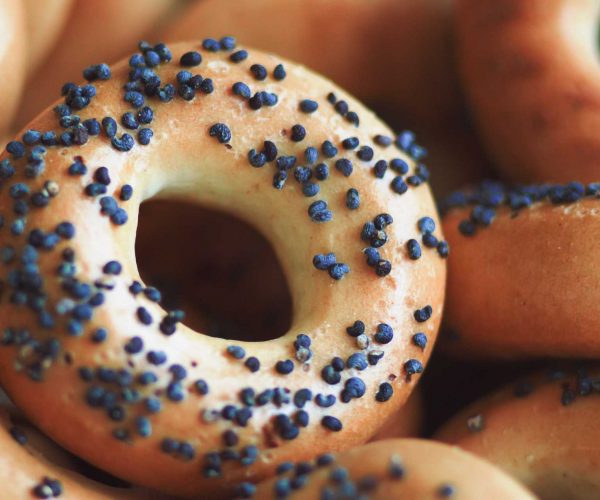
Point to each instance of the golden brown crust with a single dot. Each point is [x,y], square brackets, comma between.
[183,161]
[430,470]
[531,74]
[540,431]
[12,59]
[525,286]
[407,422]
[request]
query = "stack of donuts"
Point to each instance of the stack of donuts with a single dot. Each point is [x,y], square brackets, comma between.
[313,249]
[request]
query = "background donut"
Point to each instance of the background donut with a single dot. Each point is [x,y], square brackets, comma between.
[395,468]
[44,25]
[542,430]
[530,71]
[524,286]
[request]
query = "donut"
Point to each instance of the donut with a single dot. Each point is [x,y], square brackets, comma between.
[542,430]
[395,468]
[96,31]
[28,469]
[539,61]
[88,349]
[44,26]
[406,47]
[522,280]
[12,59]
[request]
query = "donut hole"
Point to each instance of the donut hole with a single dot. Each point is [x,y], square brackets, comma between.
[215,267]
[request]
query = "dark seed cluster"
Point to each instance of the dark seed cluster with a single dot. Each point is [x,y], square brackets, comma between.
[490,196]
[373,232]
[342,482]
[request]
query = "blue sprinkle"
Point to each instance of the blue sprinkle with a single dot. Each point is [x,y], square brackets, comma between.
[136,99]
[398,185]
[175,392]
[324,261]
[467,228]
[308,106]
[119,217]
[144,136]
[236,352]
[328,149]
[384,334]
[110,126]
[354,388]
[65,230]
[279,179]
[99,335]
[412,367]
[134,345]
[256,159]
[414,249]
[211,45]
[156,357]
[422,315]
[123,144]
[337,271]
[321,172]
[357,361]
[385,392]
[31,137]
[190,59]
[352,199]
[310,189]
[284,367]
[259,71]
[143,426]
[373,256]
[298,133]
[331,423]
[443,249]
[383,268]
[400,166]
[365,153]
[325,401]
[302,174]
[344,166]
[420,340]
[201,387]
[253,364]
[330,375]
[426,225]
[228,43]
[310,155]
[279,72]
[239,56]
[16,149]
[241,89]
[221,132]
[112,267]
[126,192]
[318,212]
